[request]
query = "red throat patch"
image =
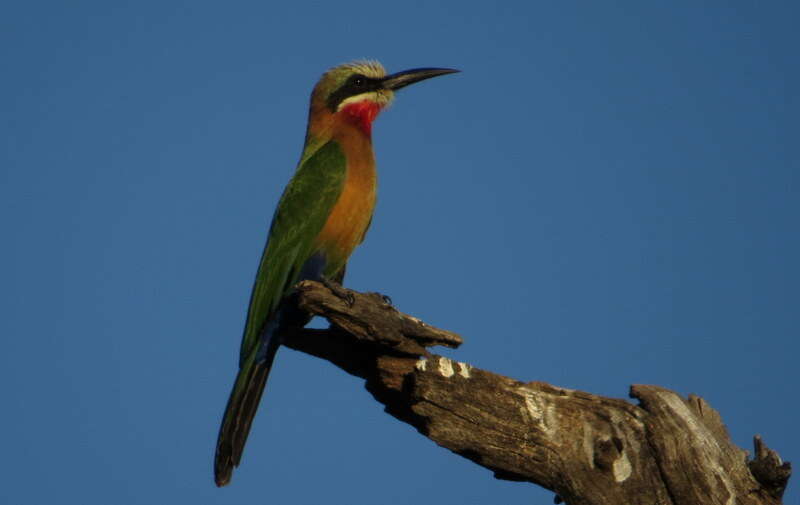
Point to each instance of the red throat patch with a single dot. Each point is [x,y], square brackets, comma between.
[362,113]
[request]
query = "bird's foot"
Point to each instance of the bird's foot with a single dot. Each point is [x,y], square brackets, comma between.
[387,301]
[340,291]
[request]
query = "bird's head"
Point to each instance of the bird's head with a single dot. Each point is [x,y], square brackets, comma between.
[358,91]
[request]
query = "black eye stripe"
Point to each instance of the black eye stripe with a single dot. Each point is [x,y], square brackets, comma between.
[355,85]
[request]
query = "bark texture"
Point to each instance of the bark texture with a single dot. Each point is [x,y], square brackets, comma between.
[588,449]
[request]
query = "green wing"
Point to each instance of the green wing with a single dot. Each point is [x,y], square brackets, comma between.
[302,211]
[304,207]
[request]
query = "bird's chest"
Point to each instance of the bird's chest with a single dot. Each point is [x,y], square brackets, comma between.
[352,213]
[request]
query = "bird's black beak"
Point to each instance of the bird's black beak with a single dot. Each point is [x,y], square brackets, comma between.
[406,77]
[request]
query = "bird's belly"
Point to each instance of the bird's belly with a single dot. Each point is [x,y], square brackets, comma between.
[347,223]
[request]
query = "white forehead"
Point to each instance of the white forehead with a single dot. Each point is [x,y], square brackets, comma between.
[369,68]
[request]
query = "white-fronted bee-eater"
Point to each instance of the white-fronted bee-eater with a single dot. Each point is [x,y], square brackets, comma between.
[322,216]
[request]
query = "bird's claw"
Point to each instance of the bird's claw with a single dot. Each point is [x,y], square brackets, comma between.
[340,291]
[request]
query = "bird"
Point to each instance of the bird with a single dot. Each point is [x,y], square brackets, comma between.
[322,215]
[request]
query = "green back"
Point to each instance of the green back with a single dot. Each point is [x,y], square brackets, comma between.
[302,211]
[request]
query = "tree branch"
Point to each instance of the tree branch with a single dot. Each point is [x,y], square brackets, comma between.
[588,449]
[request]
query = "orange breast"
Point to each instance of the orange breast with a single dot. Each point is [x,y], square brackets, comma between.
[352,213]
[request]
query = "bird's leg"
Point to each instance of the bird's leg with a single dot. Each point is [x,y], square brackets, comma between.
[340,291]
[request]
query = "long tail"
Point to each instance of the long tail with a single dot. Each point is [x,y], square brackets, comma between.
[241,408]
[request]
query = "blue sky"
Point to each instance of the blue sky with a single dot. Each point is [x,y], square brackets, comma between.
[607,195]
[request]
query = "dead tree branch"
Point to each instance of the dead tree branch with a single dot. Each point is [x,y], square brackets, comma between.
[588,449]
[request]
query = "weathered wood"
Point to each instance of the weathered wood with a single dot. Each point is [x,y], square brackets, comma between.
[588,449]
